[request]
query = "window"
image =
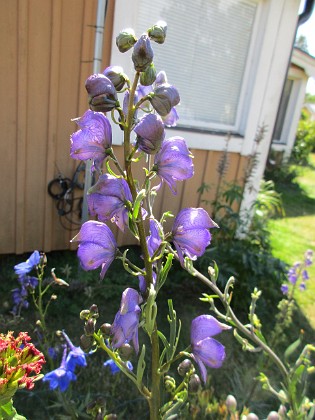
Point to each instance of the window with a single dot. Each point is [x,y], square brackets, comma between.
[206,56]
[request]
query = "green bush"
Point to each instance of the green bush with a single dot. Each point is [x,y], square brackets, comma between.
[305,141]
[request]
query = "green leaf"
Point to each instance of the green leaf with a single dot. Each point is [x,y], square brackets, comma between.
[165,270]
[141,366]
[8,412]
[137,204]
[292,348]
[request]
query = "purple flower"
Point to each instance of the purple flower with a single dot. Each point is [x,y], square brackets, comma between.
[62,376]
[143,284]
[292,275]
[102,93]
[284,289]
[174,162]
[191,233]
[164,98]
[28,265]
[206,350]
[93,138]
[126,322]
[308,258]
[76,356]
[108,199]
[302,286]
[126,103]
[170,120]
[305,275]
[150,133]
[114,368]
[97,246]
[154,240]
[142,55]
[116,75]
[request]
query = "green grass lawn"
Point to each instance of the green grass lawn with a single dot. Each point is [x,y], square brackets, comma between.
[292,235]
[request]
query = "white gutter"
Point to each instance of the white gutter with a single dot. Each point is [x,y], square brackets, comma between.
[97,62]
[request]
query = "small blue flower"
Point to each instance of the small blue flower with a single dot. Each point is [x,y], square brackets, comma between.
[285,289]
[28,265]
[114,368]
[76,356]
[62,376]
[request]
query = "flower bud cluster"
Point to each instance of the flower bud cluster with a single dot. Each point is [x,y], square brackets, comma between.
[20,364]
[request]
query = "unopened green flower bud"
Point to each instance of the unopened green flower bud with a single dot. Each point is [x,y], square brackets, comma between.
[231,403]
[125,40]
[116,75]
[194,383]
[85,314]
[184,367]
[158,32]
[142,55]
[89,327]
[170,384]
[282,411]
[273,415]
[86,342]
[94,311]
[148,76]
[125,351]
[106,329]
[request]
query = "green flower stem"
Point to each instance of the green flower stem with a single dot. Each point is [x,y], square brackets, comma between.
[239,325]
[154,399]
[142,389]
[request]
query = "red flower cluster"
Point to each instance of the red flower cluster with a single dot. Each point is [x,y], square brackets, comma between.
[19,359]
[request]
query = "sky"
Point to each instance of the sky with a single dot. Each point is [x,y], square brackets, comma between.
[308,30]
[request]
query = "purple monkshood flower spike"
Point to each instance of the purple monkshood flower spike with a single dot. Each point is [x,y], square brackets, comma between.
[114,368]
[76,356]
[108,198]
[150,133]
[174,162]
[62,376]
[93,138]
[126,322]
[97,246]
[206,350]
[28,265]
[191,233]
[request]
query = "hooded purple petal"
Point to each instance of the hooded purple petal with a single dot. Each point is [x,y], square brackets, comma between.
[170,120]
[190,232]
[150,133]
[107,199]
[154,239]
[206,350]
[205,326]
[102,93]
[92,140]
[126,322]
[174,162]
[164,98]
[142,55]
[97,246]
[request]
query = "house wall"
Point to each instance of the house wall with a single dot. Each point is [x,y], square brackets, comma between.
[47,53]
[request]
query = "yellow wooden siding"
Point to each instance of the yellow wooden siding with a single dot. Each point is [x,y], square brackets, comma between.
[47,53]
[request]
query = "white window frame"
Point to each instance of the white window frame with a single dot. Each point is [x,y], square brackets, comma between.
[124,20]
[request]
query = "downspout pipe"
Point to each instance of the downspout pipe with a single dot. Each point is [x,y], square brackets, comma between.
[97,62]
